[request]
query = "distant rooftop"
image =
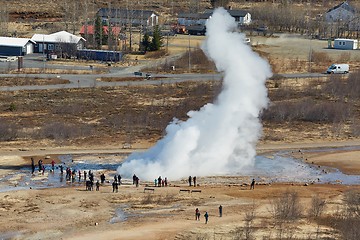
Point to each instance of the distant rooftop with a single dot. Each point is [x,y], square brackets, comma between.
[17,42]
[61,36]
[125,13]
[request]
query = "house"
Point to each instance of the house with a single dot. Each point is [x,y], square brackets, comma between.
[188,19]
[346,44]
[16,46]
[134,17]
[343,12]
[60,43]
[242,17]
[89,31]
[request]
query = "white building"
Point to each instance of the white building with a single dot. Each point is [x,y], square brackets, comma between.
[57,41]
[10,46]
[242,17]
[136,17]
[346,44]
[187,19]
[343,12]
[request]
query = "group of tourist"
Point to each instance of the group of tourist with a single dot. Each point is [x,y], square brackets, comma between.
[116,183]
[206,215]
[193,179]
[159,182]
[40,165]
[136,180]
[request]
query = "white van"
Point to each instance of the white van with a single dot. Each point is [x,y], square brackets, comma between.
[338,68]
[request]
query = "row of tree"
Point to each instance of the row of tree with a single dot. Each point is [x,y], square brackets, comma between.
[304,20]
[150,41]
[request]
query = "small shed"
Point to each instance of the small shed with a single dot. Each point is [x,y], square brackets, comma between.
[16,46]
[346,44]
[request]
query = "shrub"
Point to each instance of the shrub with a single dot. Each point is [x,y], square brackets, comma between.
[65,131]
[344,57]
[156,54]
[317,206]
[287,207]
[71,109]
[148,199]
[320,57]
[12,107]
[8,131]
[353,85]
[348,221]
[308,110]
[352,204]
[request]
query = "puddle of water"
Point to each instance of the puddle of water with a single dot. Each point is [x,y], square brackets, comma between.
[275,168]
[278,168]
[121,216]
[10,235]
[22,178]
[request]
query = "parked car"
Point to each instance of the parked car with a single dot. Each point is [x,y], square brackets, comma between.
[3,59]
[338,68]
[8,58]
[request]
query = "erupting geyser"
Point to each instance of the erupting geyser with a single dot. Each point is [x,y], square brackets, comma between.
[220,138]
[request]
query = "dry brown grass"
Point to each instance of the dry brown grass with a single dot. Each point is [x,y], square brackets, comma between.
[19,81]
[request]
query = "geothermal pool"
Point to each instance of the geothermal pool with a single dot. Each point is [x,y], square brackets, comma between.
[277,167]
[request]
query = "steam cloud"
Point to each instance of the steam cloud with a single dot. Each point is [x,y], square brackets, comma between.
[220,138]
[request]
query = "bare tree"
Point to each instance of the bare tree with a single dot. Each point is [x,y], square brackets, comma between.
[317,206]
[249,219]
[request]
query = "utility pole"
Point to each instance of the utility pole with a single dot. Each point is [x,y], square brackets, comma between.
[141,24]
[189,55]
[4,19]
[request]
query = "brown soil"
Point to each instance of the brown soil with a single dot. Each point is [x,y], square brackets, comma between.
[166,213]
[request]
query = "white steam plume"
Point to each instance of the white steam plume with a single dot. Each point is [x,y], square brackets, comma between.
[220,138]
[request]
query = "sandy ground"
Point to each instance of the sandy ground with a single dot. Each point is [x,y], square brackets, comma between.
[70,212]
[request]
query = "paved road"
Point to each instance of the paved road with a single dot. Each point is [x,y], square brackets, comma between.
[90,80]
[86,81]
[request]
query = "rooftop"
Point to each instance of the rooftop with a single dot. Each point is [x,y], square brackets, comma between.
[16,42]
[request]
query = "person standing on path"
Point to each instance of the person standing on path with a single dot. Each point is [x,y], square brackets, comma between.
[190,180]
[252,186]
[197,214]
[220,211]
[194,181]
[53,165]
[206,215]
[119,179]
[32,166]
[40,165]
[97,185]
[115,187]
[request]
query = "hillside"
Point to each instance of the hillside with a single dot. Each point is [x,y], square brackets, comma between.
[26,18]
